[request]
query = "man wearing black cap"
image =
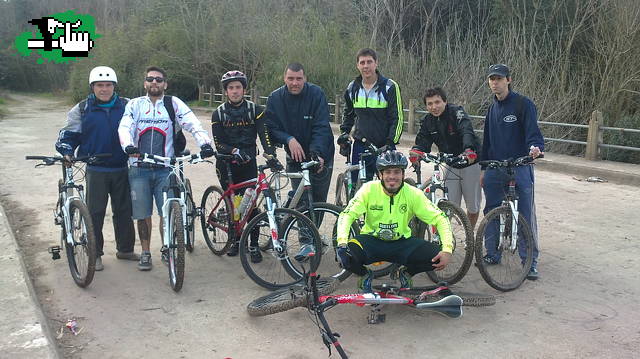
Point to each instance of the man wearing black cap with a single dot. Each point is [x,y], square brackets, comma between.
[510,131]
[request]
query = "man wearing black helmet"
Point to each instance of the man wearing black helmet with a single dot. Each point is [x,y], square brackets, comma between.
[388,206]
[234,126]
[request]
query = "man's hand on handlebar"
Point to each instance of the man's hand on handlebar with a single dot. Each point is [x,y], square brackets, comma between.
[535,152]
[206,151]
[132,151]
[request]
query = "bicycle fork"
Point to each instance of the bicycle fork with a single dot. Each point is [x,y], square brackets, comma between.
[513,227]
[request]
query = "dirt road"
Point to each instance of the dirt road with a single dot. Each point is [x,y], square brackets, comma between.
[584,305]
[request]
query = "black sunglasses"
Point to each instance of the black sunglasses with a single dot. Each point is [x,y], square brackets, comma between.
[151,78]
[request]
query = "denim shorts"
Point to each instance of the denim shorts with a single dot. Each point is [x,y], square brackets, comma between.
[147,184]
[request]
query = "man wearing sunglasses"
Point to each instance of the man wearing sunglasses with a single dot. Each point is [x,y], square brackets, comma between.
[151,124]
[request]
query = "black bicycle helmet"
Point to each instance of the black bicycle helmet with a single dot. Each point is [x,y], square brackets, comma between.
[233,75]
[391,159]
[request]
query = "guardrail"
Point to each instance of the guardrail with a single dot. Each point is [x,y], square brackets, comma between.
[593,142]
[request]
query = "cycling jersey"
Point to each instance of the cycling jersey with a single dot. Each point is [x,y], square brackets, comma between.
[387,217]
[452,132]
[377,113]
[148,126]
[237,127]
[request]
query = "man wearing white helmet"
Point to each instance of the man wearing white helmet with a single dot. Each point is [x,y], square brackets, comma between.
[92,128]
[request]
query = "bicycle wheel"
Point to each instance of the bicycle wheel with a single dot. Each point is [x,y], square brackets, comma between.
[463,248]
[513,264]
[191,217]
[288,298]
[81,254]
[176,246]
[279,269]
[342,190]
[216,220]
[326,218]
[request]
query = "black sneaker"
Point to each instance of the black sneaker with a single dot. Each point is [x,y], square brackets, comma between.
[533,274]
[256,255]
[234,249]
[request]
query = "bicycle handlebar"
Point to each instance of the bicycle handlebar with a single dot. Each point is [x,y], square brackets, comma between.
[520,161]
[155,159]
[50,160]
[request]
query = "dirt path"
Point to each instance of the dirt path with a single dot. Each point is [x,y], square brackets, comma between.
[584,305]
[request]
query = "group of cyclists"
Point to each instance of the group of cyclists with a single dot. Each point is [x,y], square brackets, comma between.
[297,116]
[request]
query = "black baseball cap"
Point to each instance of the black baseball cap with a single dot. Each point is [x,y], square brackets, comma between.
[499,70]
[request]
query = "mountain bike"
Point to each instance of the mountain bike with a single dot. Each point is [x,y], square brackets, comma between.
[314,294]
[71,213]
[174,212]
[279,231]
[461,228]
[345,188]
[506,232]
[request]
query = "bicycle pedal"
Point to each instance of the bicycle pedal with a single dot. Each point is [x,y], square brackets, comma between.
[55,252]
[375,317]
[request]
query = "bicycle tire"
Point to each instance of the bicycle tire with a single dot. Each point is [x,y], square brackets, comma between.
[326,215]
[289,298]
[214,225]
[489,272]
[279,270]
[176,246]
[463,245]
[81,255]
[191,215]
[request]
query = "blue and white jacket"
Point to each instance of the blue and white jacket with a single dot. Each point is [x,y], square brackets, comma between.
[94,130]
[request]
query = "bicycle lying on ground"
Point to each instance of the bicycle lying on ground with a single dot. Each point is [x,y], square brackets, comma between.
[314,294]
[507,231]
[279,231]
[174,213]
[461,228]
[71,213]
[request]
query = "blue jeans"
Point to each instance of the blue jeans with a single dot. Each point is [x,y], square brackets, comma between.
[147,184]
[495,188]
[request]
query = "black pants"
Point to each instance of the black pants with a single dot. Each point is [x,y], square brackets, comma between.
[101,186]
[414,253]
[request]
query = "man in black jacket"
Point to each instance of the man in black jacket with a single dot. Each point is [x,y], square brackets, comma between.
[298,117]
[449,127]
[235,125]
[374,105]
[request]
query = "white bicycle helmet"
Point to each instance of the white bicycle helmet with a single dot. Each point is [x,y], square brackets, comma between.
[102,73]
[233,75]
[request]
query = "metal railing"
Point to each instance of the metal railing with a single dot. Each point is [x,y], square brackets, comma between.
[593,142]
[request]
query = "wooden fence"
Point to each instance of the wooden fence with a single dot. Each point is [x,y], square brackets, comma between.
[593,142]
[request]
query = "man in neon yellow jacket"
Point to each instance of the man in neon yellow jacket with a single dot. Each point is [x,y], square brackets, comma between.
[388,206]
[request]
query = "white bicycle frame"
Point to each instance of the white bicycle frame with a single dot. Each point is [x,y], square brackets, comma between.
[304,174]
[176,169]
[66,197]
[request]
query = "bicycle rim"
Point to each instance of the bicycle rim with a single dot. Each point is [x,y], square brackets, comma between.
[288,298]
[513,265]
[279,269]
[176,247]
[81,254]
[326,217]
[216,220]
